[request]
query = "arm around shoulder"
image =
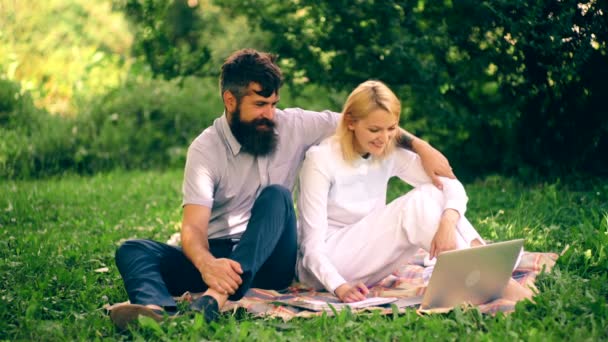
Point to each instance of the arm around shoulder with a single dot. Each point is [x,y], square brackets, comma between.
[435,164]
[410,168]
[314,126]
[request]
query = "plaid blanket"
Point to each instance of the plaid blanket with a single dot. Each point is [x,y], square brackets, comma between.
[409,280]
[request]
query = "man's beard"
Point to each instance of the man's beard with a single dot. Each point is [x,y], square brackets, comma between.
[252,140]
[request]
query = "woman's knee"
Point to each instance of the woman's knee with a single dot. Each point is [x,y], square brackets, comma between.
[420,215]
[431,193]
[427,201]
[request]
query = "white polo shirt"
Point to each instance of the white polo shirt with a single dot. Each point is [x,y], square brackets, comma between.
[220,176]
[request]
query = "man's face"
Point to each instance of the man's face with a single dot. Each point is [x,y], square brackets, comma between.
[254,106]
[252,121]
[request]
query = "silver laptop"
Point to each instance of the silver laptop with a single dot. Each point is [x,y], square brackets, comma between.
[475,275]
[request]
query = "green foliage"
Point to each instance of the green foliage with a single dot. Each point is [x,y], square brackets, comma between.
[58,237]
[143,124]
[498,86]
[180,38]
[11,103]
[167,35]
[149,123]
[61,50]
[23,148]
[559,49]
[503,86]
[146,123]
[72,99]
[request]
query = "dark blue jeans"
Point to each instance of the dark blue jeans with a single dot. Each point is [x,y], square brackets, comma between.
[154,272]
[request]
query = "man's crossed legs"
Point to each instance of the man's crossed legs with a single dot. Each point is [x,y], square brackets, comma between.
[154,272]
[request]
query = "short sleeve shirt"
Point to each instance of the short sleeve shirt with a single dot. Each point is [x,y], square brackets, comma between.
[219,175]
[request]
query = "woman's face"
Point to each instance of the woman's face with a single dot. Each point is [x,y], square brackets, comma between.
[373,133]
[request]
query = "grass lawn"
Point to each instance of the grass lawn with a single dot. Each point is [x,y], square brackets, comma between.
[58,238]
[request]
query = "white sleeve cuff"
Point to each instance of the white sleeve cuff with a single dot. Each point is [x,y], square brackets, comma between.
[333,282]
[457,205]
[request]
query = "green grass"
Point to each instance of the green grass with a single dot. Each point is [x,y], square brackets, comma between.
[56,233]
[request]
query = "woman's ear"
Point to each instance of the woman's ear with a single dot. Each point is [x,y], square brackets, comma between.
[229,101]
[350,121]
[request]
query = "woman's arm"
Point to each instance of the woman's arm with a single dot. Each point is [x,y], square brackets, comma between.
[315,183]
[409,168]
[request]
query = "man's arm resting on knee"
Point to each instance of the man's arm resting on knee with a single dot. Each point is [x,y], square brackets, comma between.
[434,162]
[222,275]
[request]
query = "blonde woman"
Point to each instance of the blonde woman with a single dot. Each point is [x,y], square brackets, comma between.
[349,238]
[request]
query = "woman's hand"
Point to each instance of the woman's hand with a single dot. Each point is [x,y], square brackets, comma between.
[445,237]
[354,293]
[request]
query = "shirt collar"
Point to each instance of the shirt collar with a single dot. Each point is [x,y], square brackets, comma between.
[233,144]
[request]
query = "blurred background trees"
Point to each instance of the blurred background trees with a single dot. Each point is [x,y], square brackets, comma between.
[513,87]
[501,85]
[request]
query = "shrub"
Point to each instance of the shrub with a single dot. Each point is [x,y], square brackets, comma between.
[144,124]
[500,86]
[149,123]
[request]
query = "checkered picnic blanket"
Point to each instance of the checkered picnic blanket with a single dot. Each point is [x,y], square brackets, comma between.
[407,281]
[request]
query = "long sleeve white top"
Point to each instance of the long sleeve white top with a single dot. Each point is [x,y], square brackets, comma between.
[335,194]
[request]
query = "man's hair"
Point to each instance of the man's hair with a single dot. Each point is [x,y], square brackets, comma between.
[366,98]
[246,66]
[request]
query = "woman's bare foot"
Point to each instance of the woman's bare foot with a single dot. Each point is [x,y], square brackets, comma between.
[476,243]
[516,292]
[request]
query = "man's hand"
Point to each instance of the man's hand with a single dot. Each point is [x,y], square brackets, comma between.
[354,293]
[445,237]
[434,162]
[222,275]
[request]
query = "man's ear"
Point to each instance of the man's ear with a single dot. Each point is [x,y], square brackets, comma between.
[229,101]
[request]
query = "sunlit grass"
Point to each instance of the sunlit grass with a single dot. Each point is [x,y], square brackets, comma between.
[58,237]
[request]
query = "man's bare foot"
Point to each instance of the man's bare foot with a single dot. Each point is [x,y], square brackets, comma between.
[125,314]
[219,297]
[209,304]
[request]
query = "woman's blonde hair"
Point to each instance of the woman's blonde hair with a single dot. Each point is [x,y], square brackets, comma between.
[366,98]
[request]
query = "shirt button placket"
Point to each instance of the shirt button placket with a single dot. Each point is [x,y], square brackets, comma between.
[263,170]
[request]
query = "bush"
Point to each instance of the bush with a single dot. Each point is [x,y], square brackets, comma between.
[17,109]
[149,123]
[34,143]
[504,86]
[60,49]
[146,123]
[143,124]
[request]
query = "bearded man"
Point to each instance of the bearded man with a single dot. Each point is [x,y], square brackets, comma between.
[239,225]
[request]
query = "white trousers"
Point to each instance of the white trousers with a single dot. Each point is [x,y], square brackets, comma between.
[372,248]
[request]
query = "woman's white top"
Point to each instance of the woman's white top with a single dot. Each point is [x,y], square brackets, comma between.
[334,194]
